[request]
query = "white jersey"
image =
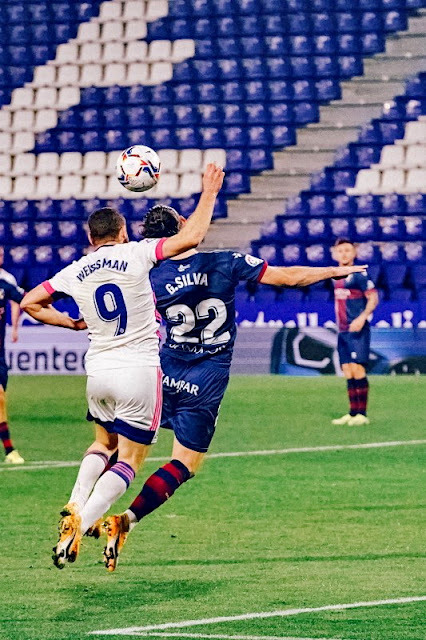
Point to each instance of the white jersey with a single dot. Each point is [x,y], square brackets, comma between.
[112,289]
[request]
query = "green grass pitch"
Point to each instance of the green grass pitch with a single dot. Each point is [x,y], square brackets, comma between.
[249,534]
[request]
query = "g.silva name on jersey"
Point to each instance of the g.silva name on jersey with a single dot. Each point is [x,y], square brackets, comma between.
[187,280]
[105,263]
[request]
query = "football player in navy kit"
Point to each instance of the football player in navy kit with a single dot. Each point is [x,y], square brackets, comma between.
[195,295]
[355,299]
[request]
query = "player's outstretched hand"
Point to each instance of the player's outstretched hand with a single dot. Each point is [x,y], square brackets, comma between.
[213,178]
[79,325]
[344,272]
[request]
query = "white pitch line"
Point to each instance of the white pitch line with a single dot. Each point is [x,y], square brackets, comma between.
[198,636]
[58,464]
[284,613]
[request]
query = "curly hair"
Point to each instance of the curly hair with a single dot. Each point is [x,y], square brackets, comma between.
[161,221]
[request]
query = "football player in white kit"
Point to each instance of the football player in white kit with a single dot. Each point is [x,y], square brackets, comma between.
[124,384]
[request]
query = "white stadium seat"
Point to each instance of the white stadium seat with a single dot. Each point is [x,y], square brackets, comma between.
[133,10]
[114,73]
[24,164]
[111,162]
[88,32]
[159,50]
[44,76]
[47,164]
[214,155]
[24,187]
[94,185]
[167,186]
[415,156]
[415,132]
[113,52]
[22,98]
[134,30]
[114,188]
[89,52]
[5,163]
[70,186]
[416,181]
[67,97]
[137,73]
[156,9]
[22,121]
[5,119]
[169,160]
[110,11]
[45,119]
[182,49]
[189,183]
[5,140]
[47,186]
[45,97]
[391,156]
[91,75]
[367,181]
[393,181]
[5,186]
[68,75]
[93,162]
[22,141]
[136,51]
[70,162]
[190,160]
[160,72]
[66,53]
[112,31]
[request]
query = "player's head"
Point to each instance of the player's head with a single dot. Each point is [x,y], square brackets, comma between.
[162,221]
[107,225]
[344,252]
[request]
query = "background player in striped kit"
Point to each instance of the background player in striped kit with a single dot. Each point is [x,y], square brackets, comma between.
[355,299]
[195,295]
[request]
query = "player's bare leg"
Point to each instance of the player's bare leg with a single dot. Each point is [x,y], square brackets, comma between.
[12,455]
[158,488]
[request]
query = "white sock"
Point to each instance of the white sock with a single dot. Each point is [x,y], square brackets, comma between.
[109,488]
[92,465]
[133,521]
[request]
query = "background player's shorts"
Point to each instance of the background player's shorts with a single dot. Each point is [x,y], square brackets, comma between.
[4,376]
[126,401]
[354,346]
[192,393]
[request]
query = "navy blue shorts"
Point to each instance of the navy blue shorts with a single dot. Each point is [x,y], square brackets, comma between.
[4,375]
[354,346]
[192,393]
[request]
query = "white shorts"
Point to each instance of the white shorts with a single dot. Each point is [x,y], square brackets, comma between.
[127,401]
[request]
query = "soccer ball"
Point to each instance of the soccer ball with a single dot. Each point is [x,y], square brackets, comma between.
[138,168]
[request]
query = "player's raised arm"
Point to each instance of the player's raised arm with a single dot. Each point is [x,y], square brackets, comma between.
[37,303]
[304,276]
[196,227]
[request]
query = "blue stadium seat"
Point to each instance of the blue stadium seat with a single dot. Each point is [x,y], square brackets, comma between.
[325,45]
[343,205]
[45,209]
[393,204]
[392,229]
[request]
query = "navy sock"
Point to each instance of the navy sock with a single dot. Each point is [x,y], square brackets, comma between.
[353,396]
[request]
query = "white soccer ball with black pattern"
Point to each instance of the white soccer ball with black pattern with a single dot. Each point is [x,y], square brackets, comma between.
[138,168]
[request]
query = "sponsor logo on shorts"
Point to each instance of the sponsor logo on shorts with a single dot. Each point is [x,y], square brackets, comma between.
[181,385]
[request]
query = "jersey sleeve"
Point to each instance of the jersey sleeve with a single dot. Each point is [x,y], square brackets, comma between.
[247,267]
[15,293]
[61,281]
[365,283]
[150,251]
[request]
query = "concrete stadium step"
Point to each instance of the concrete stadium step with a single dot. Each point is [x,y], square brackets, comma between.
[248,209]
[275,184]
[318,135]
[225,234]
[363,92]
[410,44]
[340,113]
[301,159]
[384,64]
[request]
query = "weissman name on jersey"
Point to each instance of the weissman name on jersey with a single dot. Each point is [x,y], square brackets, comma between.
[118,265]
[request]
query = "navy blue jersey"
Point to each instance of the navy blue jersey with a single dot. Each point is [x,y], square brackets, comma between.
[350,296]
[196,298]
[8,292]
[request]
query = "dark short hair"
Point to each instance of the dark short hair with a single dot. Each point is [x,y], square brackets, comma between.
[105,223]
[340,241]
[161,221]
